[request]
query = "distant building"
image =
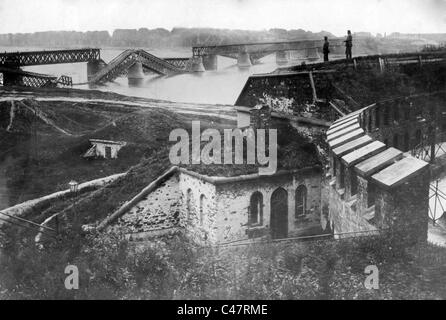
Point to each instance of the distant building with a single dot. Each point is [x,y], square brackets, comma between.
[104,149]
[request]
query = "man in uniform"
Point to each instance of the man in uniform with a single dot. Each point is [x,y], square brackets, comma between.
[326,49]
[348,45]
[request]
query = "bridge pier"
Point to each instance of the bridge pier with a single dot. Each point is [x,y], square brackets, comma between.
[197,64]
[135,74]
[312,54]
[244,60]
[210,62]
[93,67]
[282,57]
[11,79]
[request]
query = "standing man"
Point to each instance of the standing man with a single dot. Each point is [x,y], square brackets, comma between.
[326,49]
[348,45]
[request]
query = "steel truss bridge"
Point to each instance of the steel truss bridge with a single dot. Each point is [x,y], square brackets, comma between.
[261,49]
[35,58]
[12,62]
[120,65]
[32,79]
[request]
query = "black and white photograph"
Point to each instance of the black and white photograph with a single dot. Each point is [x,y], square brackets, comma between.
[250,151]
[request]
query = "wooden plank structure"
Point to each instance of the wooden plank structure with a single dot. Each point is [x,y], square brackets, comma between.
[352,146]
[363,153]
[378,162]
[399,172]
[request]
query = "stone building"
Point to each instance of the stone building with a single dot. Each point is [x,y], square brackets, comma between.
[223,209]
[373,183]
[226,206]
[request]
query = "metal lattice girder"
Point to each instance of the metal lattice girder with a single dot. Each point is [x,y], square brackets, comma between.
[178,62]
[65,81]
[120,65]
[28,79]
[262,47]
[31,58]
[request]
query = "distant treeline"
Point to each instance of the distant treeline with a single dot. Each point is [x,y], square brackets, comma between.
[177,37]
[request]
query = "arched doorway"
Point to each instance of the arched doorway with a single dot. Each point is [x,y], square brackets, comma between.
[279,214]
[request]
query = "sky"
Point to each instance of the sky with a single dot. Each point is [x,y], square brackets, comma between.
[336,16]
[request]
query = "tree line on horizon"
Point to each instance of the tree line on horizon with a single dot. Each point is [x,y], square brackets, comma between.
[143,37]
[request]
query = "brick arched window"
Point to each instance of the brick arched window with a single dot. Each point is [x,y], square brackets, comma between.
[189,204]
[202,206]
[301,201]
[255,212]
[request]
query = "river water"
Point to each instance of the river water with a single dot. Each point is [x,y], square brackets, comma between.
[221,86]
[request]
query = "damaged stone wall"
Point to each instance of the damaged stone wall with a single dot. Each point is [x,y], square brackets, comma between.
[158,211]
[197,207]
[234,200]
[296,86]
[347,215]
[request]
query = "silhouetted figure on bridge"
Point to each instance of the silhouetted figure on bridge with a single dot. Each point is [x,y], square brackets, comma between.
[326,49]
[348,45]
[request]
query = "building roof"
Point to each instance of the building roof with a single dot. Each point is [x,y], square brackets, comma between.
[294,151]
[107,141]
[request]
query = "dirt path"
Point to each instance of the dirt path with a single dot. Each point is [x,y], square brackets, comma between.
[222,111]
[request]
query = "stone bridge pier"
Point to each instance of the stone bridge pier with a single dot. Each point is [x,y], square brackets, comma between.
[196,64]
[244,59]
[312,54]
[12,79]
[282,57]
[135,74]
[93,67]
[210,62]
